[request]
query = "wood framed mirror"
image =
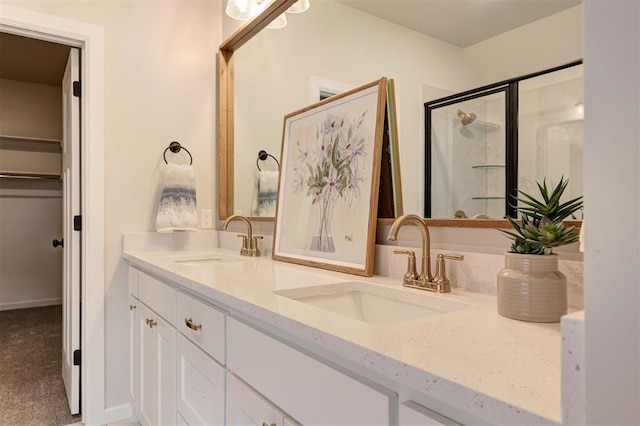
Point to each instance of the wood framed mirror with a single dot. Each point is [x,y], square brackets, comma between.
[231,72]
[226,102]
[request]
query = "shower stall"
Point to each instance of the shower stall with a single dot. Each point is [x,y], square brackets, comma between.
[483,145]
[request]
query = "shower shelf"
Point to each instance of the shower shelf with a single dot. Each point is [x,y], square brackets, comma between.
[487,198]
[492,126]
[489,166]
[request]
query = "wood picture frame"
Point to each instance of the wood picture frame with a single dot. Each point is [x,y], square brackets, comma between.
[327,201]
[390,201]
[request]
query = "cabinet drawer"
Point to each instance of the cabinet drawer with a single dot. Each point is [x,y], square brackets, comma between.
[202,324]
[200,390]
[310,391]
[158,296]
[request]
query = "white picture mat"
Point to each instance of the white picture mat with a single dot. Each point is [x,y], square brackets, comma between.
[296,220]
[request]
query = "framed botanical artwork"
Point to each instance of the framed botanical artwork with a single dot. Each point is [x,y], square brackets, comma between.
[330,174]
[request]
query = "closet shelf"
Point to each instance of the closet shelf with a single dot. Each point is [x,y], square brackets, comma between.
[29,139]
[489,166]
[29,176]
[19,143]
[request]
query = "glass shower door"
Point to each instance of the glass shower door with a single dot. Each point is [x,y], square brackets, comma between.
[466,157]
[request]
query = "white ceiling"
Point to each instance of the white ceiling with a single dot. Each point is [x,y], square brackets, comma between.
[461,22]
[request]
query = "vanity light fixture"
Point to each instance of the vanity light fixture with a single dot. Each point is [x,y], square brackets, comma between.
[299,6]
[244,10]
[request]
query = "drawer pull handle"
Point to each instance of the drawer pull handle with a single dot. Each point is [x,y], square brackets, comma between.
[151,323]
[189,323]
[132,307]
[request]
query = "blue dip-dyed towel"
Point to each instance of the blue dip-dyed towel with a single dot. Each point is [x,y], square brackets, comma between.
[177,209]
[264,201]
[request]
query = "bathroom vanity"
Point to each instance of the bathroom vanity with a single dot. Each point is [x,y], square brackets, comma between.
[217,338]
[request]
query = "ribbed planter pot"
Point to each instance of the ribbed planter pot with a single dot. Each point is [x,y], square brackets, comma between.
[531,288]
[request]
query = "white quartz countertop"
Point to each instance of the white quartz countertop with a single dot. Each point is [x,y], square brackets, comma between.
[499,370]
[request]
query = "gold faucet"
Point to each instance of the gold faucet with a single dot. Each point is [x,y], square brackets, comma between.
[249,242]
[424,280]
[425,271]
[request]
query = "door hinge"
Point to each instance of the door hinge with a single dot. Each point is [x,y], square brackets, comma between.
[76,89]
[76,357]
[77,223]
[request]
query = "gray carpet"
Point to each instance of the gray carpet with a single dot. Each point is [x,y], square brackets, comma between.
[31,388]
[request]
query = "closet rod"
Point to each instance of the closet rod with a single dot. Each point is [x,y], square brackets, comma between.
[30,176]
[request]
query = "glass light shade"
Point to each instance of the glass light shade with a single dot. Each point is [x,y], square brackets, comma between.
[299,6]
[279,22]
[240,9]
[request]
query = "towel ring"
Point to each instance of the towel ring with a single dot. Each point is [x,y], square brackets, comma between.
[175,147]
[262,155]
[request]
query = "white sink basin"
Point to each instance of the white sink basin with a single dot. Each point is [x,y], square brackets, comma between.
[203,259]
[373,304]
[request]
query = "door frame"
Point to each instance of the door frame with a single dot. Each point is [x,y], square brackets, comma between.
[90,40]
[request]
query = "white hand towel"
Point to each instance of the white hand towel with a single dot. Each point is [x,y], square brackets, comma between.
[177,209]
[264,203]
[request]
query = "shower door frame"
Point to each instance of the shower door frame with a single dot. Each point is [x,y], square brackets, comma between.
[511,89]
[511,136]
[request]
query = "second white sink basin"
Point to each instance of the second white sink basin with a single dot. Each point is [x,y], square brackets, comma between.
[373,304]
[203,259]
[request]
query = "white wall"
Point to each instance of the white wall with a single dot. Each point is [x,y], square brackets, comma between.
[160,85]
[612,197]
[30,109]
[30,267]
[542,44]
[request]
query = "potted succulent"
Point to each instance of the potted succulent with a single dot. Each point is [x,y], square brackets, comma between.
[530,287]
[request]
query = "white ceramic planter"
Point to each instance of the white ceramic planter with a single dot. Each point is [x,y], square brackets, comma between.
[531,288]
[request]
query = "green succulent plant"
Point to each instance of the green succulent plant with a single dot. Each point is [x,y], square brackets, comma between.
[541,227]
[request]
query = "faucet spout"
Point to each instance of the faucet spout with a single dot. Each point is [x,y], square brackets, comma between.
[242,218]
[425,271]
[249,242]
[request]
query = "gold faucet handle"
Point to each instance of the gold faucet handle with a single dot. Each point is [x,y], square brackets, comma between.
[244,251]
[452,256]
[255,251]
[412,273]
[441,281]
[409,252]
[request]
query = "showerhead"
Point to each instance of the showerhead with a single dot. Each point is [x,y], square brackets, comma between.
[466,118]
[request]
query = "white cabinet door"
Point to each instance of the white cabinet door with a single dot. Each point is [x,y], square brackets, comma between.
[134,357]
[157,404]
[412,414]
[71,277]
[309,390]
[245,407]
[200,386]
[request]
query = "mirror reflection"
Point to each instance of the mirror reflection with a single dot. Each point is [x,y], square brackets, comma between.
[333,47]
[485,144]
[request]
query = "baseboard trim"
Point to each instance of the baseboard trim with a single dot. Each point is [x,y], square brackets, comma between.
[30,304]
[115,414]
